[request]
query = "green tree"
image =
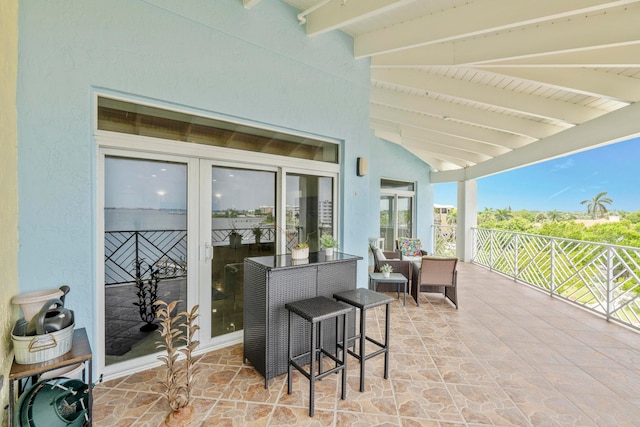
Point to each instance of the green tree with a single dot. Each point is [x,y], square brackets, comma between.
[596,206]
[555,215]
[503,214]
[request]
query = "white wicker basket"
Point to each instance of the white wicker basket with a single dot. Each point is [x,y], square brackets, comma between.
[39,348]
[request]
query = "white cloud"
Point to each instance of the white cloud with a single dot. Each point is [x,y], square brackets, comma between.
[567,164]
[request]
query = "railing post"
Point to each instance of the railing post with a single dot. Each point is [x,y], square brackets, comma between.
[491,250]
[515,261]
[137,256]
[609,281]
[551,268]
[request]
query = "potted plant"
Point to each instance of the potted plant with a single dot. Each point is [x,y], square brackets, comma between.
[329,243]
[386,270]
[235,238]
[257,233]
[300,251]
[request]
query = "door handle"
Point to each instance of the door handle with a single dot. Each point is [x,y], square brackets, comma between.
[208,251]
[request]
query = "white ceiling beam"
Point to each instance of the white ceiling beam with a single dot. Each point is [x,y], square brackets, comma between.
[488,95]
[461,130]
[336,14]
[463,113]
[469,20]
[619,125]
[448,152]
[587,81]
[388,136]
[438,161]
[617,26]
[248,4]
[439,138]
[626,56]
[452,141]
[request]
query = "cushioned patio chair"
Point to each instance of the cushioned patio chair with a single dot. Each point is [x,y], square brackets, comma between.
[410,249]
[381,258]
[436,274]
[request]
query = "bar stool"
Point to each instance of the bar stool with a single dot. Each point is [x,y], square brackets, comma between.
[365,299]
[315,310]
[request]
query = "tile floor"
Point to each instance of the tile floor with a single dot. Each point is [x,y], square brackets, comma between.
[511,356]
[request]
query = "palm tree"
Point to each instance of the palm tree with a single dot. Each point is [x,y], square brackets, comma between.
[555,215]
[503,214]
[596,206]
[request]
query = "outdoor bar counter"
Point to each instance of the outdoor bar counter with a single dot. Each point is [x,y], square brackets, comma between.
[272,281]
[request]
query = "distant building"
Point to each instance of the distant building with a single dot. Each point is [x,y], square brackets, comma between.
[590,222]
[440,213]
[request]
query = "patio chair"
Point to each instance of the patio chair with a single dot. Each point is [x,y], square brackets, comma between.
[381,258]
[436,274]
[410,249]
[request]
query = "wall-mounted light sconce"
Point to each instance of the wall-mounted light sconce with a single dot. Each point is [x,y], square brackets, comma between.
[362,167]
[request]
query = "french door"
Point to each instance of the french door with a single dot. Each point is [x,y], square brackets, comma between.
[179,228]
[396,212]
[237,220]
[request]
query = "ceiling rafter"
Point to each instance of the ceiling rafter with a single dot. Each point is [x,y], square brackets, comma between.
[474,87]
[588,81]
[488,95]
[463,113]
[470,20]
[337,14]
[405,131]
[448,127]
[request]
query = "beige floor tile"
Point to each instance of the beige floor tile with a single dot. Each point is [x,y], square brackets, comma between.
[509,356]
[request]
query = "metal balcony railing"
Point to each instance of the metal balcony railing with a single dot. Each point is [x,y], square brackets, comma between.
[136,254]
[444,240]
[602,278]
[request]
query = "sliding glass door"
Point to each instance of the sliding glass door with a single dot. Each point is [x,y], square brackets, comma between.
[238,220]
[396,211]
[145,250]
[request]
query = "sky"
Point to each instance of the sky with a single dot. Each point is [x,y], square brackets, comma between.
[561,184]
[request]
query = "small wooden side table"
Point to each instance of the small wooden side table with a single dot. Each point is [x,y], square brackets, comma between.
[80,353]
[375,278]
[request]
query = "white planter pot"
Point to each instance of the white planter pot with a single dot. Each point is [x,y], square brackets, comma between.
[299,253]
[328,252]
[386,274]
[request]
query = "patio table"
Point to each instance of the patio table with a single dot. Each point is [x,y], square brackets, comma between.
[375,278]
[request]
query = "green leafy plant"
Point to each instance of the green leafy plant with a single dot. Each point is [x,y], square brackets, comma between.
[177,332]
[386,268]
[328,241]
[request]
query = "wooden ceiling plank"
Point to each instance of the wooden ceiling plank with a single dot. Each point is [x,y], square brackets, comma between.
[586,81]
[617,126]
[488,95]
[474,133]
[484,118]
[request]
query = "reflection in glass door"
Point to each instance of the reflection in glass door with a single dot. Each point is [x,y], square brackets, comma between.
[309,205]
[396,211]
[145,250]
[242,224]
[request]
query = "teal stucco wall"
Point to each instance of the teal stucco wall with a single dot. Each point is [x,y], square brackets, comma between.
[210,56]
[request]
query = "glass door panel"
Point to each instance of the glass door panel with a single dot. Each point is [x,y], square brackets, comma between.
[404,214]
[242,224]
[145,248]
[309,209]
[387,221]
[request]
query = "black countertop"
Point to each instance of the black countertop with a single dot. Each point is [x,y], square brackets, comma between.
[285,261]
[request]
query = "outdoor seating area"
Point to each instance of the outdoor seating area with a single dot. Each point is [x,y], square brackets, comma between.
[511,356]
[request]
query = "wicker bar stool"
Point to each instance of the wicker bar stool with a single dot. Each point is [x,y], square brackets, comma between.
[365,299]
[315,311]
